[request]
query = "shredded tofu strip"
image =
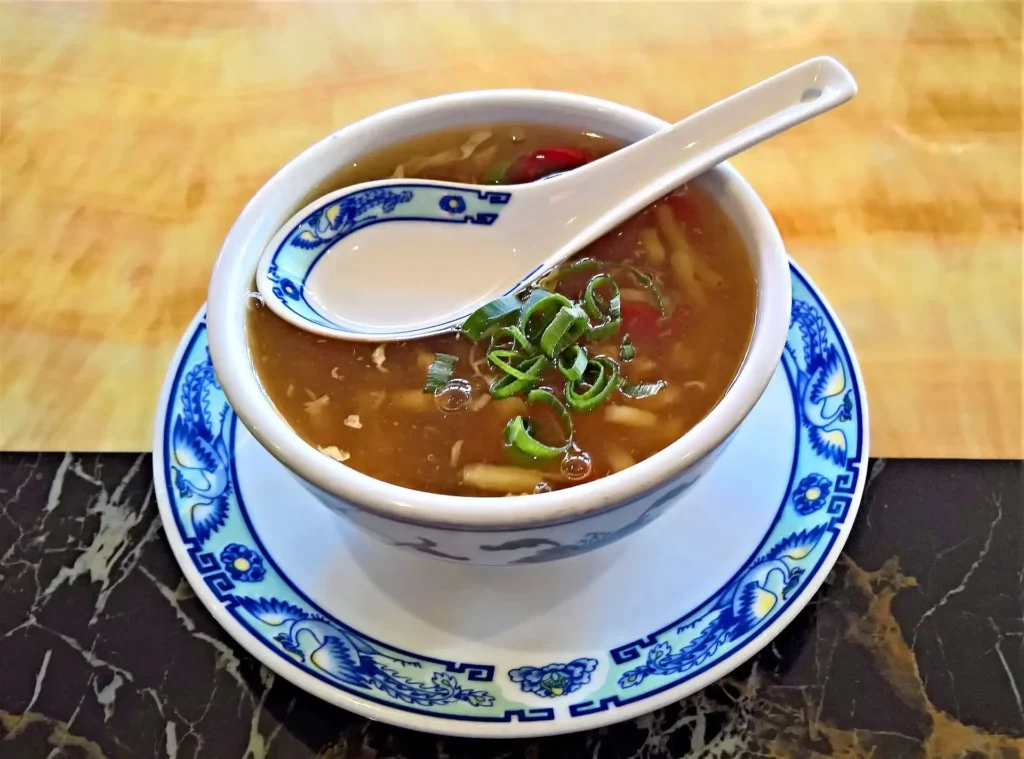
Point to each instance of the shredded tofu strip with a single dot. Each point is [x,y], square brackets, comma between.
[629,416]
[510,407]
[642,368]
[352,420]
[335,453]
[475,140]
[418,164]
[706,274]
[414,400]
[682,257]
[475,363]
[379,358]
[619,458]
[631,295]
[316,407]
[671,430]
[452,155]
[485,157]
[480,401]
[683,357]
[652,245]
[456,453]
[501,479]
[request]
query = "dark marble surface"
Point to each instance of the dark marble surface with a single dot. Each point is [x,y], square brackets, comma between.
[913,648]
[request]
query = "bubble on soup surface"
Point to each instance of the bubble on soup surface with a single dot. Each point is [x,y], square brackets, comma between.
[455,396]
[254,300]
[576,465]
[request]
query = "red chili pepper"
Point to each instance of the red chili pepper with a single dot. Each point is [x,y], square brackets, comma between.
[639,320]
[530,168]
[686,207]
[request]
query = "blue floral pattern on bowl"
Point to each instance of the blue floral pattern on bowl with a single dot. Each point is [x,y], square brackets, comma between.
[554,680]
[209,517]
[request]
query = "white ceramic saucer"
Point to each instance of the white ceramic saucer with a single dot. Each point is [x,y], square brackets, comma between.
[535,649]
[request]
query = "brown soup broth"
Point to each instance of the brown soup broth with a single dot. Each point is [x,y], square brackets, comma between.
[365,404]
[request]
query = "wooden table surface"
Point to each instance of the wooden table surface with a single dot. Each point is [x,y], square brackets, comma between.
[133,133]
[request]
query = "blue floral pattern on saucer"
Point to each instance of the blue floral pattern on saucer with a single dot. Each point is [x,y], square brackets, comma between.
[205,513]
[554,680]
[812,493]
[242,564]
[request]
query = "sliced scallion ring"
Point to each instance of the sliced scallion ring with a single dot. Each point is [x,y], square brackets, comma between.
[568,326]
[439,372]
[519,437]
[646,280]
[538,311]
[498,358]
[508,385]
[608,315]
[642,389]
[509,337]
[599,379]
[490,315]
[626,350]
[550,280]
[572,362]
[604,329]
[595,305]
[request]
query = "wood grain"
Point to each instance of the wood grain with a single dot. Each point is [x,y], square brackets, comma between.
[133,133]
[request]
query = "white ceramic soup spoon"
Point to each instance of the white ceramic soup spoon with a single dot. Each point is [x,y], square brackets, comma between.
[337,269]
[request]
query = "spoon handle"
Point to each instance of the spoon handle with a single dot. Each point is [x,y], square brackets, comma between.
[639,174]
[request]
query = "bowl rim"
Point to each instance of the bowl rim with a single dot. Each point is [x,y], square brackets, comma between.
[275,202]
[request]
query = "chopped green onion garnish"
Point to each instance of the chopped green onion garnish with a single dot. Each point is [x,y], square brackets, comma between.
[519,431]
[550,280]
[607,315]
[508,385]
[603,330]
[509,337]
[646,280]
[582,265]
[490,315]
[538,311]
[497,357]
[496,173]
[642,389]
[440,372]
[626,350]
[572,362]
[564,330]
[594,304]
[593,388]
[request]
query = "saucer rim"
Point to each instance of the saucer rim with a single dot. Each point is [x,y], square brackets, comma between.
[559,723]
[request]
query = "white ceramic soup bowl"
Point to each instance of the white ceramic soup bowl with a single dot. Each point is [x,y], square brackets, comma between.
[516,529]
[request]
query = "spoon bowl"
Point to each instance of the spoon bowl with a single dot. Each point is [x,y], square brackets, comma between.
[404,258]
